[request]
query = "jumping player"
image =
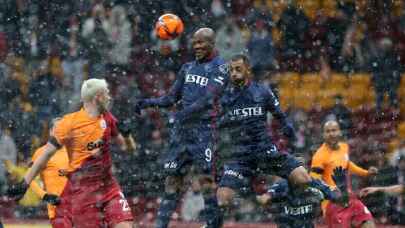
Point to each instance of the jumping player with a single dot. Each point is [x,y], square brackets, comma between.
[329,156]
[245,105]
[87,135]
[197,86]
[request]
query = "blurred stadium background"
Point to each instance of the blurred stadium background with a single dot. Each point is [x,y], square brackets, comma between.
[339,59]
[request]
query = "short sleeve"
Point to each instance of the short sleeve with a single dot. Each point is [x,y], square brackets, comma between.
[317,164]
[61,130]
[37,153]
[112,123]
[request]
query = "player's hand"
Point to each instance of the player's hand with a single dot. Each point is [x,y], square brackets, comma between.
[264,198]
[370,190]
[339,177]
[17,191]
[372,171]
[51,199]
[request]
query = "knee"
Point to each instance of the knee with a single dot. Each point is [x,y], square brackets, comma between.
[299,176]
[225,196]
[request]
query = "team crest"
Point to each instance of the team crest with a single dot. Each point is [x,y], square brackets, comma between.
[103,124]
[224,68]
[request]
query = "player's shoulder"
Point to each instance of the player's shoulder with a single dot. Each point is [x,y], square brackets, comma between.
[321,150]
[38,152]
[219,64]
[108,116]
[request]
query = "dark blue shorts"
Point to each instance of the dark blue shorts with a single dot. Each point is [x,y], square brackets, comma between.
[190,147]
[238,174]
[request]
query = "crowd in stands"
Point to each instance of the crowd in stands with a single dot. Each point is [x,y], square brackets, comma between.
[298,47]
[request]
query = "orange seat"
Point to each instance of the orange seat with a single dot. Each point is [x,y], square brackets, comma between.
[286,97]
[355,96]
[326,96]
[364,79]
[289,79]
[401,130]
[305,98]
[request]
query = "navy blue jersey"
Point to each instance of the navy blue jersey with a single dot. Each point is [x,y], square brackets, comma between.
[197,85]
[245,117]
[294,208]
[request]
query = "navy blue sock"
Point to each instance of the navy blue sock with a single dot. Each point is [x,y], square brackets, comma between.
[214,214]
[166,209]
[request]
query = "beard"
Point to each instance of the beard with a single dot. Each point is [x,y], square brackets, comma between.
[103,106]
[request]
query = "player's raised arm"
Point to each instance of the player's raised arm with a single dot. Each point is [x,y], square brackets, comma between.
[360,171]
[273,105]
[166,100]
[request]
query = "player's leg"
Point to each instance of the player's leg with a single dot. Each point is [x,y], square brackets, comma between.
[117,212]
[175,166]
[208,190]
[292,169]
[360,214]
[235,178]
[203,158]
[172,194]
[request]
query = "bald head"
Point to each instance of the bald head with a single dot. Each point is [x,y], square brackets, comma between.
[203,42]
[205,33]
[332,133]
[331,123]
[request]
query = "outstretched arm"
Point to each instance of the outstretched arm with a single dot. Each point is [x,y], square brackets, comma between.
[170,98]
[353,168]
[391,190]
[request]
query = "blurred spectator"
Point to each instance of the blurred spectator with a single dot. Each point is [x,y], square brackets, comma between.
[398,153]
[193,203]
[398,216]
[229,39]
[43,91]
[385,68]
[356,48]
[96,42]
[343,115]
[73,67]
[8,153]
[260,49]
[293,25]
[380,204]
[120,36]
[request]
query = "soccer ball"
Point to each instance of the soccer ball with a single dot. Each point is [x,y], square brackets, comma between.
[169,27]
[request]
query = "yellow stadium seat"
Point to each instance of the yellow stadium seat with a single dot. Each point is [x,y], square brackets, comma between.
[305,98]
[355,96]
[338,80]
[364,79]
[401,130]
[286,97]
[289,79]
[401,89]
[326,96]
[310,81]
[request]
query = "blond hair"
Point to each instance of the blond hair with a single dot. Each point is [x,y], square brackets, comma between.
[91,87]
